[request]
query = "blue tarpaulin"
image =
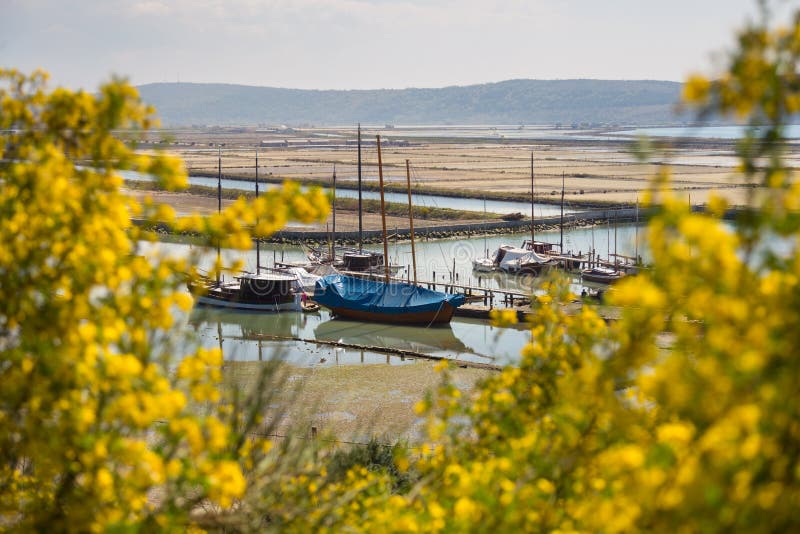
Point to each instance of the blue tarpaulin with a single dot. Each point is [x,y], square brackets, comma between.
[340,291]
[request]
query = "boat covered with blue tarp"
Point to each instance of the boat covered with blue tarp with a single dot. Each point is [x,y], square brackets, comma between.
[394,302]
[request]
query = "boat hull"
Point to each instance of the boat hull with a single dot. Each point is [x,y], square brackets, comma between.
[377,301]
[210,300]
[483,266]
[601,278]
[264,293]
[441,316]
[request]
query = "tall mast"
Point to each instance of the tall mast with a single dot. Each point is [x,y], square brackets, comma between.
[219,198]
[360,221]
[561,225]
[258,241]
[219,180]
[411,221]
[485,248]
[533,231]
[334,213]
[636,235]
[383,213]
[616,258]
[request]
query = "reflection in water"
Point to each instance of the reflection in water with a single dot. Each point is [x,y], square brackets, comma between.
[249,325]
[290,336]
[417,339]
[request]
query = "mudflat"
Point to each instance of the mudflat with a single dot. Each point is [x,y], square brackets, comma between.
[350,401]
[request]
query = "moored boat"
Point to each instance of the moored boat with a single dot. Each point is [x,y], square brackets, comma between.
[272,291]
[386,301]
[268,292]
[601,275]
[389,302]
[365,261]
[512,260]
[304,280]
[515,260]
[567,261]
[483,265]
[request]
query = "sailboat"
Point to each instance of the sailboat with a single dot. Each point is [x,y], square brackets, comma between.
[601,275]
[485,264]
[386,301]
[531,258]
[360,260]
[266,292]
[260,291]
[605,275]
[348,258]
[567,261]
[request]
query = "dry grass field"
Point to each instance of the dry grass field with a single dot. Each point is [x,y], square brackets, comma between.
[594,170]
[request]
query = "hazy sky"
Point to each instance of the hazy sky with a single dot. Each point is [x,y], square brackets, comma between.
[361,44]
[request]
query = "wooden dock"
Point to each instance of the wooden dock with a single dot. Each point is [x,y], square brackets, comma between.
[482,300]
[477,311]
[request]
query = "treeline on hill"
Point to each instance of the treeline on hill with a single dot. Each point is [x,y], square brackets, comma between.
[510,102]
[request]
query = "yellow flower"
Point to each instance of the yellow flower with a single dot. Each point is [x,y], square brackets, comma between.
[226,483]
[676,433]
[696,89]
[503,318]
[545,486]
[465,509]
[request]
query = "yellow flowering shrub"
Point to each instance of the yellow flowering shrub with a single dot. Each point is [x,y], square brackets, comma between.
[100,428]
[682,416]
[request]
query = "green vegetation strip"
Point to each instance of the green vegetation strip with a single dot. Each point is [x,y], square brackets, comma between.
[350,204]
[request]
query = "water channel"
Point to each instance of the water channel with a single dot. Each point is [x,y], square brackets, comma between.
[419,200]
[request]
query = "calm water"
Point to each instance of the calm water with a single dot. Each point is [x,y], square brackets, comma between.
[470,204]
[522,132]
[499,131]
[706,132]
[436,257]
[237,333]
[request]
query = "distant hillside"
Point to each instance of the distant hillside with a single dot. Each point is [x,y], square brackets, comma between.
[509,102]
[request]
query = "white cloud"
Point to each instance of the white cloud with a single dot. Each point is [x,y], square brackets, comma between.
[364,43]
[150,7]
